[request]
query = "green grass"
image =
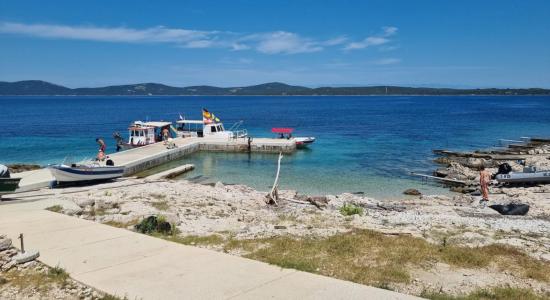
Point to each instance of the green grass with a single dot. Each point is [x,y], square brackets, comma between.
[351,209]
[55,208]
[58,273]
[496,293]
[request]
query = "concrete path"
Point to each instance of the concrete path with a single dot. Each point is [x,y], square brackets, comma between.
[124,263]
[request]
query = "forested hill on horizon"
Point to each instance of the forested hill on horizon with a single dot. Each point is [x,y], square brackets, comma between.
[38,87]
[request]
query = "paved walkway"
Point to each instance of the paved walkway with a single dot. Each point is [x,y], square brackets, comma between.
[124,263]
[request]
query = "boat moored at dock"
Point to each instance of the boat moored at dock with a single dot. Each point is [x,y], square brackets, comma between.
[286,133]
[143,133]
[209,127]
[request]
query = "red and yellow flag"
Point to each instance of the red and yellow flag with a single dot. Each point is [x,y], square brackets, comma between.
[208,117]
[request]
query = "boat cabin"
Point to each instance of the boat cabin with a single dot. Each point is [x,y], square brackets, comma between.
[197,128]
[145,133]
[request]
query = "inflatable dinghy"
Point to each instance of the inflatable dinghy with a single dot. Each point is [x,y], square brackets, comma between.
[511,209]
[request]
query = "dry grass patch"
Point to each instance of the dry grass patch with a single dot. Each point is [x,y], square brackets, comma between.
[370,257]
[496,293]
[213,239]
[157,196]
[55,208]
[35,279]
[161,205]
[122,224]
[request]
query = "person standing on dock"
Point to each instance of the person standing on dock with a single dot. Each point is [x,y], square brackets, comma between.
[484,179]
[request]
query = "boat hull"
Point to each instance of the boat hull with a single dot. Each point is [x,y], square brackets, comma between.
[84,173]
[524,177]
[302,142]
[8,185]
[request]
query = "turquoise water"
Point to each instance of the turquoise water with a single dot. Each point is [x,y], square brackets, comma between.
[365,144]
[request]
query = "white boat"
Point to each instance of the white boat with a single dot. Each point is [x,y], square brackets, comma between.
[84,173]
[304,141]
[286,133]
[529,175]
[209,127]
[142,134]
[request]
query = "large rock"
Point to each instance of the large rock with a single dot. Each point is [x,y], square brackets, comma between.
[413,192]
[441,172]
[83,202]
[101,204]
[473,162]
[5,242]
[72,211]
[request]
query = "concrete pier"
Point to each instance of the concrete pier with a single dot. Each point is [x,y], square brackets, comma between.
[146,157]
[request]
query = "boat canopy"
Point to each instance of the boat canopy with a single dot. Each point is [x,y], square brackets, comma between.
[157,124]
[142,128]
[189,122]
[282,130]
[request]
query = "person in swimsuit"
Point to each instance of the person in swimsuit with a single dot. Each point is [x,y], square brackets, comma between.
[484,180]
[102,148]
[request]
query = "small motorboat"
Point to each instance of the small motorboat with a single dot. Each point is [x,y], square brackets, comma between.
[304,141]
[286,133]
[84,172]
[8,185]
[529,175]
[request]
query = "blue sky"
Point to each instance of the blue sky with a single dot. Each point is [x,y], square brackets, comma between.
[234,43]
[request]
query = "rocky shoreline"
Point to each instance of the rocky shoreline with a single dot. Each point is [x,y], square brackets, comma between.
[240,213]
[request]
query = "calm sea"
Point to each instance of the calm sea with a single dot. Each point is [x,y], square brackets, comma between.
[365,144]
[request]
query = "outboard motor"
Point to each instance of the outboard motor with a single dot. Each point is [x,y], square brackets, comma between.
[4,172]
[504,168]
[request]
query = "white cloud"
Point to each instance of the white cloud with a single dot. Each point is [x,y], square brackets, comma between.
[389,30]
[335,41]
[238,46]
[276,42]
[281,42]
[375,40]
[387,61]
[108,34]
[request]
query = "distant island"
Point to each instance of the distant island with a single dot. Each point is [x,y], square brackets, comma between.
[38,87]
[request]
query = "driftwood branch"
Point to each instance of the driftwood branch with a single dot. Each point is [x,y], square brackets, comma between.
[273,195]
